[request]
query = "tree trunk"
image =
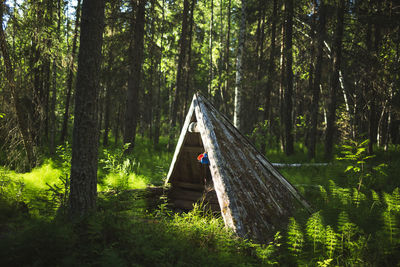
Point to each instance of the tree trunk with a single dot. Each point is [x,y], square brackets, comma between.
[83,193]
[64,130]
[373,106]
[210,47]
[239,69]
[109,80]
[188,62]
[271,70]
[260,72]
[317,80]
[180,80]
[54,90]
[157,110]
[288,94]
[134,82]
[337,58]
[225,88]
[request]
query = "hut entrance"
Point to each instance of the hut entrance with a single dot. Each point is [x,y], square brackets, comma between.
[192,181]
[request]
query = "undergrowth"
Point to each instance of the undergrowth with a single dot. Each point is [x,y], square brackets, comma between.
[353,223]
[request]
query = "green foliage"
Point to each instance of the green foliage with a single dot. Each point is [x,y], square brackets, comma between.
[295,238]
[356,156]
[351,227]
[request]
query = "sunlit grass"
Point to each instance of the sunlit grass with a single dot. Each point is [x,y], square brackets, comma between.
[39,178]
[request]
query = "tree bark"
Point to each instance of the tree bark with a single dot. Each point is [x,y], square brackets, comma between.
[83,193]
[271,71]
[337,58]
[288,54]
[134,82]
[224,89]
[317,80]
[64,130]
[54,90]
[157,110]
[109,81]
[210,47]
[239,69]
[373,102]
[180,77]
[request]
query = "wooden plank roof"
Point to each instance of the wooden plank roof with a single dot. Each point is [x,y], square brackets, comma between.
[254,198]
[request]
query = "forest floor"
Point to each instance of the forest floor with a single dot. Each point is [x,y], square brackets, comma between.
[352,224]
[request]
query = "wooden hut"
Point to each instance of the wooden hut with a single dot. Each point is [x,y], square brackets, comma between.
[253,197]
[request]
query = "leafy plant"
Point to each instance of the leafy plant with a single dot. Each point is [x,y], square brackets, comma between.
[356,156]
[295,237]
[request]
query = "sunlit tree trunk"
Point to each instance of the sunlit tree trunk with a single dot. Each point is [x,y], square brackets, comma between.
[210,47]
[239,69]
[225,87]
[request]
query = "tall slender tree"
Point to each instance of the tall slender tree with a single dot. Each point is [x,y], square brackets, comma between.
[180,76]
[337,58]
[134,80]
[239,68]
[288,93]
[85,138]
[71,72]
[317,79]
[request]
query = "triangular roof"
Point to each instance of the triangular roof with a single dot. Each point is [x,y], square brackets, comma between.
[254,198]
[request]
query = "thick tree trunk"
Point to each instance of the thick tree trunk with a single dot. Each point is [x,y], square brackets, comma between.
[64,130]
[317,80]
[288,94]
[134,82]
[337,58]
[83,193]
[239,69]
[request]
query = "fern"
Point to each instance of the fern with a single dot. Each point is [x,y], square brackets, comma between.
[315,229]
[295,237]
[390,216]
[341,194]
[330,240]
[358,197]
[323,192]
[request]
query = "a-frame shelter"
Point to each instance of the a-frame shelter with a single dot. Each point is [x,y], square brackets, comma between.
[253,197]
